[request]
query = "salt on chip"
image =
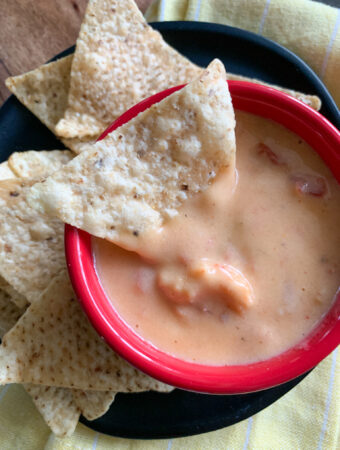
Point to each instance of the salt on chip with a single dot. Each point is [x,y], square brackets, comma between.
[64,350]
[118,61]
[31,244]
[141,173]
[36,164]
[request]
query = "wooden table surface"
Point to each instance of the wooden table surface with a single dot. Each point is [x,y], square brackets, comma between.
[32,32]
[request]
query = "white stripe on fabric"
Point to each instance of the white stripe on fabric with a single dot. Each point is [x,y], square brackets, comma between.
[169,444]
[3,392]
[330,45]
[264,16]
[249,426]
[197,11]
[162,11]
[95,441]
[328,400]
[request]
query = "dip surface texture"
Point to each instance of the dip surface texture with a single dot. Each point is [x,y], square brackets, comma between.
[248,267]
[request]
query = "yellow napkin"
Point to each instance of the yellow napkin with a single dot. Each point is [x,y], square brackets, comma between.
[308,417]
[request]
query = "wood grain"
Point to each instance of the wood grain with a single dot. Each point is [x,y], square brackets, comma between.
[33,31]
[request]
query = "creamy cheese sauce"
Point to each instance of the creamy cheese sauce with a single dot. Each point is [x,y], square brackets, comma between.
[247,268]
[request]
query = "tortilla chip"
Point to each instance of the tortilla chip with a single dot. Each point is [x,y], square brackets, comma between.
[61,407]
[64,350]
[141,173]
[18,299]
[311,100]
[31,244]
[36,164]
[93,404]
[6,172]
[9,312]
[57,407]
[119,60]
[44,90]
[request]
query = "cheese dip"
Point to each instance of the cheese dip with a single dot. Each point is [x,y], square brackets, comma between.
[247,268]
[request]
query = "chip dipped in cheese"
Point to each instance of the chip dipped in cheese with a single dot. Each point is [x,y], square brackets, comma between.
[140,174]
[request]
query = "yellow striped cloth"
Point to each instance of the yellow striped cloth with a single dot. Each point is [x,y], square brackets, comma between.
[309,29]
[306,418]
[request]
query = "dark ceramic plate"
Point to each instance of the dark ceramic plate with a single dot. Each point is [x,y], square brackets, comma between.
[150,414]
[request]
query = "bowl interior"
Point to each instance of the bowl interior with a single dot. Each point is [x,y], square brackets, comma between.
[320,135]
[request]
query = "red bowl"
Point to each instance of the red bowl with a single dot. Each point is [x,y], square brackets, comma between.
[232,379]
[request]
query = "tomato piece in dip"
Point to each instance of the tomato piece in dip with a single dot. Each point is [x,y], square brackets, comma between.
[247,268]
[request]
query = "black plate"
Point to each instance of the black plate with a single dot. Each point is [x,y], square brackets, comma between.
[153,415]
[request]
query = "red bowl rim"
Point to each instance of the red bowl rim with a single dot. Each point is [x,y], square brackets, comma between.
[229,379]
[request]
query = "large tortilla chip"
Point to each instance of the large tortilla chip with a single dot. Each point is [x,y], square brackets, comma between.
[141,173]
[31,244]
[64,350]
[37,164]
[119,60]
